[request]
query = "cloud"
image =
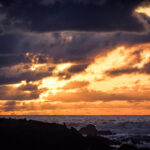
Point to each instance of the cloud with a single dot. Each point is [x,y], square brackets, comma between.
[28,87]
[73,70]
[99,15]
[37,36]
[82,48]
[10,106]
[85,95]
[25,76]
[146,68]
[129,70]
[26,92]
[77,68]
[121,71]
[52,48]
[133,60]
[75,85]
[10,60]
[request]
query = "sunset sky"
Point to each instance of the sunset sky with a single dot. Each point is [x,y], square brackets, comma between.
[74,57]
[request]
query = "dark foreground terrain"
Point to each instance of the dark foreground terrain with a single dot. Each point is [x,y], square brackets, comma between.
[25,135]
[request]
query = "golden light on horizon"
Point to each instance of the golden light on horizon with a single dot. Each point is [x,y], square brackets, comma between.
[90,90]
[100,108]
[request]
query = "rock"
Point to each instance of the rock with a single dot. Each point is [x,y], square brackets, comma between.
[102,140]
[99,143]
[89,130]
[127,147]
[107,132]
[35,135]
[131,147]
[21,134]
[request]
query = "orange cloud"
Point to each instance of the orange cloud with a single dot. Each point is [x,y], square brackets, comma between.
[75,85]
[90,108]
[89,90]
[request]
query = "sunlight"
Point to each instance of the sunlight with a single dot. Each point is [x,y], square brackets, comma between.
[145,10]
[53,84]
[62,67]
[18,84]
[36,66]
[118,58]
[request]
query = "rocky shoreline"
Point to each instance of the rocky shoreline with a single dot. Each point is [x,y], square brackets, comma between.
[22,134]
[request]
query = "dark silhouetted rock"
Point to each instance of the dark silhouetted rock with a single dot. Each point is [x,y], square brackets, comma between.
[102,140]
[127,147]
[22,134]
[99,143]
[89,130]
[107,132]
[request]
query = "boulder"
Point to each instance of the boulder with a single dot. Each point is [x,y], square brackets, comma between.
[22,134]
[127,147]
[89,130]
[105,132]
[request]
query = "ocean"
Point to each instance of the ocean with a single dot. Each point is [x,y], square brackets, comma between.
[126,128]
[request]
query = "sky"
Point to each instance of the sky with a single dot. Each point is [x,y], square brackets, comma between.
[74,57]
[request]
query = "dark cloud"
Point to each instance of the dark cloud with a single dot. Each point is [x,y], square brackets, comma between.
[100,15]
[28,87]
[9,42]
[82,48]
[51,68]
[10,60]
[146,68]
[64,75]
[129,70]
[10,106]
[77,68]
[16,93]
[121,71]
[68,73]
[22,24]
[53,48]
[26,76]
